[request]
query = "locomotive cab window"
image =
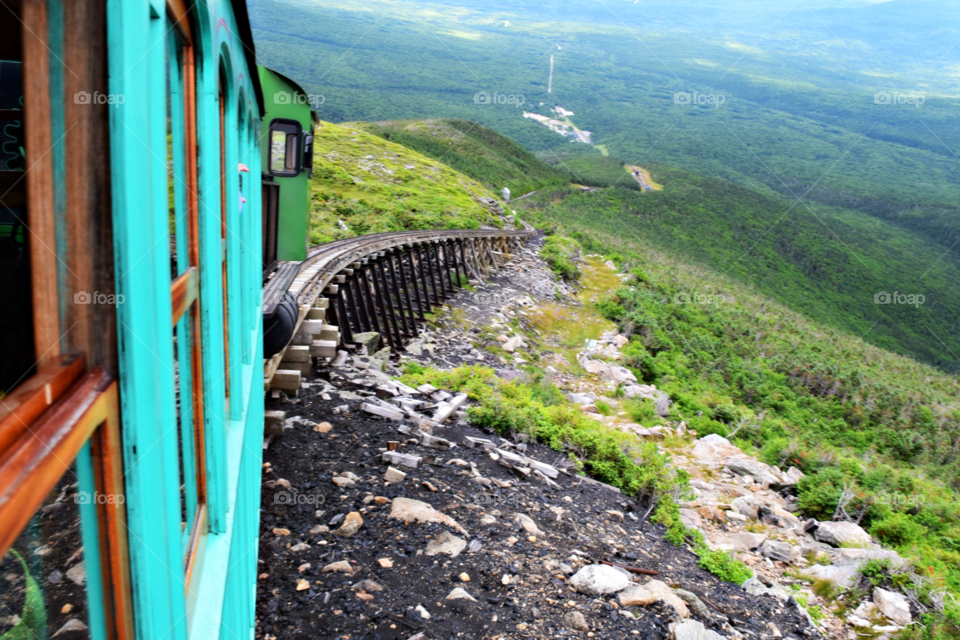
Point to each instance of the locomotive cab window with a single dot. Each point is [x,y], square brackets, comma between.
[285,143]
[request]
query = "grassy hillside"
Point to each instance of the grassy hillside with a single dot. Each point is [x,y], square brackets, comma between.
[482,153]
[827,262]
[735,361]
[371,185]
[799,116]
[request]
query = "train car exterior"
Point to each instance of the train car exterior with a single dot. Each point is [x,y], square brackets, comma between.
[131,420]
[287,159]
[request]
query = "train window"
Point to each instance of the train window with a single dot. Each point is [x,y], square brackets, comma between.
[17,355]
[285,157]
[184,248]
[45,570]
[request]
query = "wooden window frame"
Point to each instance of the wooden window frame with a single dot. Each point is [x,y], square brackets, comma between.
[185,295]
[52,431]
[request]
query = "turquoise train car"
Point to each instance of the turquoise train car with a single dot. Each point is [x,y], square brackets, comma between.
[131,393]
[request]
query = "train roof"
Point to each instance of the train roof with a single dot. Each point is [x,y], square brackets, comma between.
[250,51]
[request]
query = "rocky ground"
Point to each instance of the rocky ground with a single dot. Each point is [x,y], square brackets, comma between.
[385,514]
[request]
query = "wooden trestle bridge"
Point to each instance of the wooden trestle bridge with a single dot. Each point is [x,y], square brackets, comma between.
[385,283]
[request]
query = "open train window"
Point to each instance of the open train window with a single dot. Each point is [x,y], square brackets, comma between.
[285,157]
[17,339]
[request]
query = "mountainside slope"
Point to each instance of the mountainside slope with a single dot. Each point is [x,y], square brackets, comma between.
[481,153]
[828,263]
[371,185]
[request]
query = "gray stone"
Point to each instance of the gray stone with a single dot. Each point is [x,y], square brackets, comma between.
[575,621]
[782,551]
[747,506]
[394,475]
[713,448]
[845,576]
[582,398]
[893,605]
[693,630]
[370,339]
[409,510]
[599,580]
[78,574]
[842,533]
[760,472]
[740,541]
[753,586]
[528,524]
[446,543]
[460,594]
[643,595]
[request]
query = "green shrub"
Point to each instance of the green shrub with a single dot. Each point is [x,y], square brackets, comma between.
[723,565]
[898,530]
[563,256]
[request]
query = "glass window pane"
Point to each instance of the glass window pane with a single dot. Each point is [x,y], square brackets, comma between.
[278,142]
[43,576]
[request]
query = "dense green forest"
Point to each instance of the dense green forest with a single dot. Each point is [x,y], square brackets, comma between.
[727,228]
[799,183]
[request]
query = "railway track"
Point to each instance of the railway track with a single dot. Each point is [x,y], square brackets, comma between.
[384,283]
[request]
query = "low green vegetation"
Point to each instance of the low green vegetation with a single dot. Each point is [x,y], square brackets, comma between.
[539,411]
[365,184]
[563,256]
[484,154]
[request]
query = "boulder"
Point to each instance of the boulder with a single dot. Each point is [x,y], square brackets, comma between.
[740,541]
[575,621]
[861,556]
[582,398]
[841,575]
[842,534]
[599,580]
[369,339]
[460,594]
[528,524]
[753,586]
[446,543]
[351,524]
[693,630]
[618,375]
[792,476]
[782,551]
[595,366]
[893,605]
[747,506]
[691,518]
[760,472]
[409,510]
[643,595]
[713,448]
